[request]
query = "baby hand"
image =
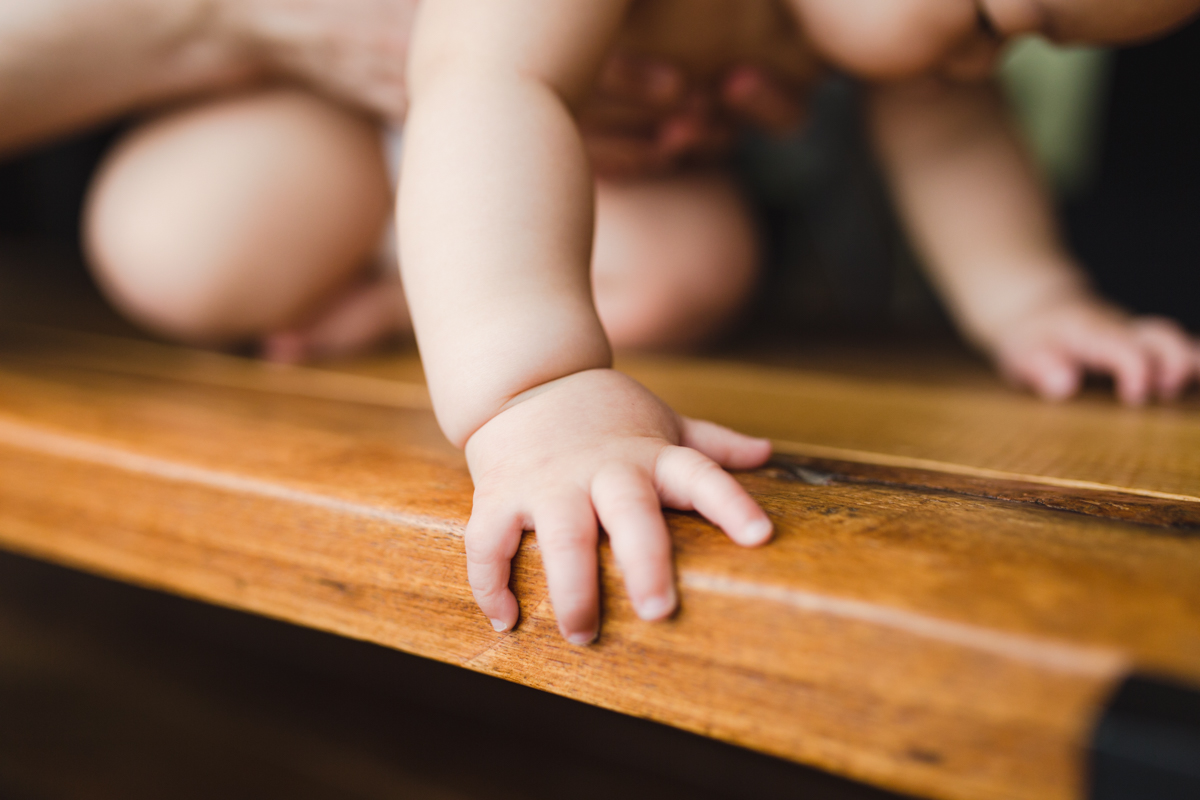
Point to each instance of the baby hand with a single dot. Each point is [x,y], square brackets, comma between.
[597,444]
[1050,349]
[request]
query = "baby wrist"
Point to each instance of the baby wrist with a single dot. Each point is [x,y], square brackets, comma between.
[459,425]
[991,318]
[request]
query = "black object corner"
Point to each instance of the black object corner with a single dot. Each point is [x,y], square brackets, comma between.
[1146,745]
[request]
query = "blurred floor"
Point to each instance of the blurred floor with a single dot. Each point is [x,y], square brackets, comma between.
[44,282]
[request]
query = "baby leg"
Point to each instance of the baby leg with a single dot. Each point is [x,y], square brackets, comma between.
[232,219]
[676,259]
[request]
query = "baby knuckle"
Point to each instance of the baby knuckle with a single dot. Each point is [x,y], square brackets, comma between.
[485,549]
[616,482]
[704,470]
[488,595]
[566,540]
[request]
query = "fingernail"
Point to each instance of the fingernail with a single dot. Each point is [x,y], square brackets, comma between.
[655,608]
[582,638]
[758,531]
[499,625]
[1060,384]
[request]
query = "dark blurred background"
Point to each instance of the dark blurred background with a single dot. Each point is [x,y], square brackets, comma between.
[1137,223]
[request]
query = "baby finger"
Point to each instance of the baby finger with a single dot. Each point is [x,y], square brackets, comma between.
[567,537]
[1049,373]
[1172,353]
[1120,356]
[492,540]
[728,448]
[688,479]
[629,509]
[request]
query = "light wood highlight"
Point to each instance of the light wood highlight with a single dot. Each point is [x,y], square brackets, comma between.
[949,640]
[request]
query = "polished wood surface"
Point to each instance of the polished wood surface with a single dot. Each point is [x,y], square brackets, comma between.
[961,574]
[986,432]
[112,692]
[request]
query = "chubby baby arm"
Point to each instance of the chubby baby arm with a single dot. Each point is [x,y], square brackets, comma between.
[495,224]
[979,216]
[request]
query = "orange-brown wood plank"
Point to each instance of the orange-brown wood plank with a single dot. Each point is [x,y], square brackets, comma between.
[1091,443]
[924,636]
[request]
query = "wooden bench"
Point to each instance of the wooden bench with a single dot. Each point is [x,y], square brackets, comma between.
[962,576]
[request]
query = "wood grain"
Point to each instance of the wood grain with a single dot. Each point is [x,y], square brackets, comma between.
[953,418]
[940,640]
[1090,443]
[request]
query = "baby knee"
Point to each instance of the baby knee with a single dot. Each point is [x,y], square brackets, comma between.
[141,246]
[229,220]
[722,256]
